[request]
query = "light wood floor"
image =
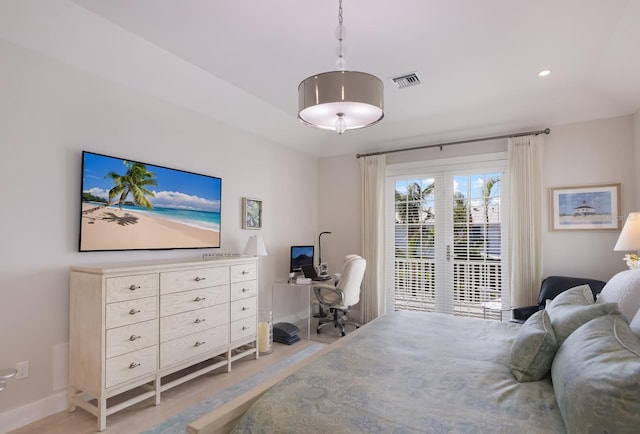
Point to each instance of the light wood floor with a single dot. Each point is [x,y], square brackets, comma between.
[145,415]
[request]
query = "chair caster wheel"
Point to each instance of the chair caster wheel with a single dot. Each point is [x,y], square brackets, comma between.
[318,331]
[343,333]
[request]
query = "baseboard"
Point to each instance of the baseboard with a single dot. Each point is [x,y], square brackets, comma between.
[21,416]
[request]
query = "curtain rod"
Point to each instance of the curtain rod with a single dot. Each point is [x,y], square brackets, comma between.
[459,142]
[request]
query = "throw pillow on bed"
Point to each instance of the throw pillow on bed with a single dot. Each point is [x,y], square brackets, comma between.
[624,289]
[574,307]
[533,349]
[595,376]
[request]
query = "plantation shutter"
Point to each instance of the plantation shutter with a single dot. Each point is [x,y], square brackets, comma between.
[414,245]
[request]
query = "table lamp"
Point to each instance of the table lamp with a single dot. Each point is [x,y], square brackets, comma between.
[255,246]
[629,239]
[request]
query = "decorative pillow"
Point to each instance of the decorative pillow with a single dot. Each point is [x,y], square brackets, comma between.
[533,349]
[596,374]
[574,307]
[580,295]
[624,289]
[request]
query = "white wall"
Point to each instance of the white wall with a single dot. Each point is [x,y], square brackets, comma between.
[49,113]
[339,209]
[588,153]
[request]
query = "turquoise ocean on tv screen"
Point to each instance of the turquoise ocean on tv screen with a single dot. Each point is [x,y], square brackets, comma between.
[200,219]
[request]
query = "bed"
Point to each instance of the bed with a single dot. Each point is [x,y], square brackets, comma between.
[410,372]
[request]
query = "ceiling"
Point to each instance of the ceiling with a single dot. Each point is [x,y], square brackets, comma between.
[241,61]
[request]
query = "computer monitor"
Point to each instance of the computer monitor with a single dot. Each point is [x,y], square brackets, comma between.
[300,255]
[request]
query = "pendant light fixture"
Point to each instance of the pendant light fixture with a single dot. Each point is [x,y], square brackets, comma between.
[341,100]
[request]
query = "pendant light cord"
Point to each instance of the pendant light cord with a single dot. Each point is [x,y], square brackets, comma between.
[341,62]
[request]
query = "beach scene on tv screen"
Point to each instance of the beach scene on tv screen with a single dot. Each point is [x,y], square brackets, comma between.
[129,205]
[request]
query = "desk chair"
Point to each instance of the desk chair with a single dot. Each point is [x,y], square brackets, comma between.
[346,293]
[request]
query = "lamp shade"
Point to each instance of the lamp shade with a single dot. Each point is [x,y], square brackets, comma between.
[341,100]
[629,238]
[255,247]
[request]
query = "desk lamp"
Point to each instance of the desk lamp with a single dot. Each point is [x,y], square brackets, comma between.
[322,265]
[629,239]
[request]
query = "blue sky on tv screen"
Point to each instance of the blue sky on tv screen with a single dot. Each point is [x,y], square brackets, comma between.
[175,189]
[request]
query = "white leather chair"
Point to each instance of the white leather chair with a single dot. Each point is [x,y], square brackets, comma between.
[345,293]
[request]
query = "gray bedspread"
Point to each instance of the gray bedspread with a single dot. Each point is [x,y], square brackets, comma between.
[410,372]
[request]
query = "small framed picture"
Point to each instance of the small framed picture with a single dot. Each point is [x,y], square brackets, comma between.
[585,208]
[251,213]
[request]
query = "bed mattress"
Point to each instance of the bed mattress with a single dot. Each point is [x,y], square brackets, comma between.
[409,372]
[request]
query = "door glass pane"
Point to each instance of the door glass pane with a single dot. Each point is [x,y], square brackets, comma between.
[477,268]
[414,268]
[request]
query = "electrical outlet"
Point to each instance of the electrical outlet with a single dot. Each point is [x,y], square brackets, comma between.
[23,370]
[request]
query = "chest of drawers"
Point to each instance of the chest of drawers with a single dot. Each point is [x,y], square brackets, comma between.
[131,326]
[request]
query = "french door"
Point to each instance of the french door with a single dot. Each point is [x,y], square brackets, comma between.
[446,226]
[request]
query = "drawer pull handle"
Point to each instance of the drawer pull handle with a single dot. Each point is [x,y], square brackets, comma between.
[198,320]
[134,311]
[245,272]
[245,308]
[199,298]
[198,343]
[134,365]
[245,289]
[198,279]
[134,287]
[134,338]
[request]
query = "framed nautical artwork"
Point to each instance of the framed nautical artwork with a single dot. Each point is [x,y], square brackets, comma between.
[593,207]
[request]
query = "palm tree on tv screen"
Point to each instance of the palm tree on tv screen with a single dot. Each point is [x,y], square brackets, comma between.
[133,181]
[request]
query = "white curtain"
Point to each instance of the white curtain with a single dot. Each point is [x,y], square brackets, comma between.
[372,172]
[525,218]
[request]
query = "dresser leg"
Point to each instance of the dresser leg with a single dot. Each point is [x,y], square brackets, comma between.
[71,393]
[157,385]
[102,413]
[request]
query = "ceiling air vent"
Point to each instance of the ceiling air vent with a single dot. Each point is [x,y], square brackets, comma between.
[406,80]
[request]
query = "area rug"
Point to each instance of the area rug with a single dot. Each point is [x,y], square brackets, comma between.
[178,423]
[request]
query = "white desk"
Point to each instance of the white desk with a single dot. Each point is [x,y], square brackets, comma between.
[292,303]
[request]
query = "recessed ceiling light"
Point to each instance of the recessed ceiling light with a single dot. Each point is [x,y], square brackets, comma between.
[544,73]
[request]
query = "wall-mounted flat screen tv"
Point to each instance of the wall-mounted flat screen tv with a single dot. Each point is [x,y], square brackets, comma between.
[129,205]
